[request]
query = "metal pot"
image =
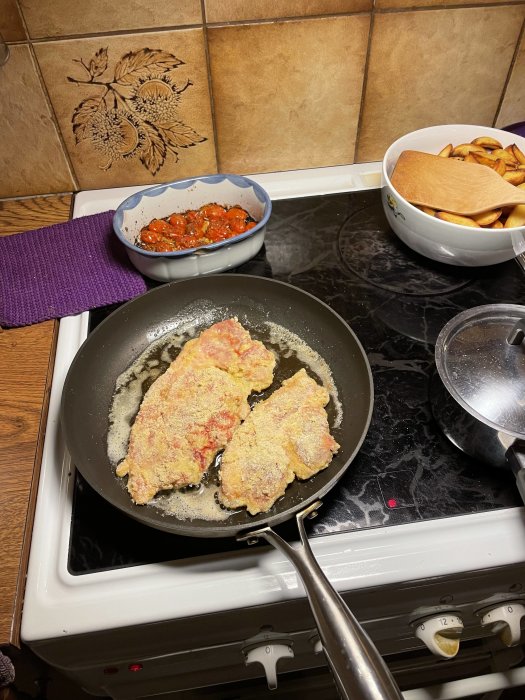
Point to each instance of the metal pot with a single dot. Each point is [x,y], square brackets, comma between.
[478,391]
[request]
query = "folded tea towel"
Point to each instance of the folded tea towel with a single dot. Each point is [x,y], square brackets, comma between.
[64,269]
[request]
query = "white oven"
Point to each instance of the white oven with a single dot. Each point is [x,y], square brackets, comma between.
[442,598]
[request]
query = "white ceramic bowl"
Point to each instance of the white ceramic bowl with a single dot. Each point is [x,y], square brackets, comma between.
[162,200]
[441,240]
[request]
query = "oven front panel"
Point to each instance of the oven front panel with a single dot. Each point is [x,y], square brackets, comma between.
[196,652]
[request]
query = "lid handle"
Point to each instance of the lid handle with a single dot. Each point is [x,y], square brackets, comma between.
[517,334]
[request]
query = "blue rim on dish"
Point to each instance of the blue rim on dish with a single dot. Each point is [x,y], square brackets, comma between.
[239,180]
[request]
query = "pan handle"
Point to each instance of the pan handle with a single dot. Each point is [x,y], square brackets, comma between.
[358,669]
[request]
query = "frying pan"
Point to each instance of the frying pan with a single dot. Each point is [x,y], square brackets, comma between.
[193,305]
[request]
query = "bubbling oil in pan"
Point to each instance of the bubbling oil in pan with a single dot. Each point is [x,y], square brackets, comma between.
[292,353]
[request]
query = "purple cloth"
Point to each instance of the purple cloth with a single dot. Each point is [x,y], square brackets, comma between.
[64,269]
[518,128]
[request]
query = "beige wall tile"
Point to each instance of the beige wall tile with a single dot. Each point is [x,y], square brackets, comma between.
[32,160]
[407,4]
[513,106]
[50,18]
[11,25]
[435,67]
[128,113]
[239,10]
[292,100]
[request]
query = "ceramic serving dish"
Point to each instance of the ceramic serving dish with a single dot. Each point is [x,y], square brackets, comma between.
[162,200]
[440,240]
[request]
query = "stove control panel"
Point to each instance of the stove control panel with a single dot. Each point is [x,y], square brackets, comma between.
[504,621]
[440,633]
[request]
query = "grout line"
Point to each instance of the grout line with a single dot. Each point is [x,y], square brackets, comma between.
[43,85]
[262,20]
[365,81]
[119,32]
[454,6]
[54,119]
[509,73]
[210,86]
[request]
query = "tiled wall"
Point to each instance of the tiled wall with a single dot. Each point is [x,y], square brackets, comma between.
[98,94]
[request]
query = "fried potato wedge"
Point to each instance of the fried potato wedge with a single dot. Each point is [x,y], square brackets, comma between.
[496,224]
[504,155]
[518,154]
[497,165]
[516,216]
[487,218]
[427,210]
[487,142]
[485,158]
[500,167]
[465,148]
[456,219]
[446,152]
[515,177]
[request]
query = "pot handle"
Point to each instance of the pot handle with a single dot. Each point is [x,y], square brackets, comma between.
[516,459]
[517,334]
[358,669]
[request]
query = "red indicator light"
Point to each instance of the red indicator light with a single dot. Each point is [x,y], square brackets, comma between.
[135,667]
[391,503]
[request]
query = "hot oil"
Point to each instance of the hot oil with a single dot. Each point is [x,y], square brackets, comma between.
[200,501]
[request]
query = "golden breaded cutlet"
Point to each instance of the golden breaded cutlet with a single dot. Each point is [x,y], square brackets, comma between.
[284,437]
[191,411]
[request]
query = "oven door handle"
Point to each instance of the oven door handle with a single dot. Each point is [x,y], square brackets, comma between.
[358,668]
[466,687]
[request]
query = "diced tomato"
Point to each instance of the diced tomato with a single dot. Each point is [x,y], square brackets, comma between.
[250,224]
[177,221]
[217,231]
[236,213]
[176,232]
[159,225]
[164,247]
[238,225]
[213,211]
[148,236]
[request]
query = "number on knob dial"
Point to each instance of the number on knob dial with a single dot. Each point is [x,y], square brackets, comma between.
[441,634]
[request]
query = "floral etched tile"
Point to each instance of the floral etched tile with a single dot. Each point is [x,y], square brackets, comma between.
[435,67]
[133,109]
[55,18]
[240,10]
[292,100]
[29,142]
[513,106]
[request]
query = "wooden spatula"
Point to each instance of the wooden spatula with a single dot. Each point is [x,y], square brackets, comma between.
[446,184]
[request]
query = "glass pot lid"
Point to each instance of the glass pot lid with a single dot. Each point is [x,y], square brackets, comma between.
[480,358]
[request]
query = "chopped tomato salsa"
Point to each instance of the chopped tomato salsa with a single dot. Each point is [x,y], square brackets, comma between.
[194,228]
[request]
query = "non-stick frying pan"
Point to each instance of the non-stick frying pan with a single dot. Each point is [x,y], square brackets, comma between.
[196,304]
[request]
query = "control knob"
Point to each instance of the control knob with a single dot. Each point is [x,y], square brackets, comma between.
[504,621]
[266,648]
[440,634]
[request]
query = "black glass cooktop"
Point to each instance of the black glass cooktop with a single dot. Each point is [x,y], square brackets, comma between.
[340,248]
